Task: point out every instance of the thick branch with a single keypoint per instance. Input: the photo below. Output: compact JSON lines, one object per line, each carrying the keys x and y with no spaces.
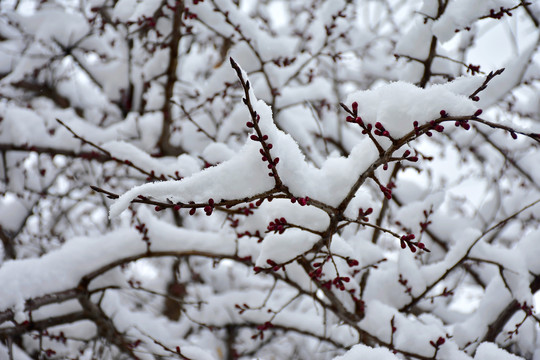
{"x":175,"y":37}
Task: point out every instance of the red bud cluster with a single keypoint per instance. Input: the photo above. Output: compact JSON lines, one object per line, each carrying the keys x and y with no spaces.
{"x":338,"y":282}
{"x":278,"y":225}
{"x":302,"y":201}
{"x":366,"y":129}
{"x":528,"y":309}
{"x":208,"y":209}
{"x":404,"y":283}
{"x":463,"y":123}
{"x":435,"y":126}
{"x":363,"y":215}
{"x":413,"y":158}
{"x":265,"y":152}
{"x":474,"y":69}
{"x":436,"y":344}
{"x":352,"y":262}
{"x":261,"y":329}
{"x":192,"y":210}
{"x":142,"y":229}
{"x":242,"y":308}
{"x":406,"y":240}
{"x":256,"y":234}
{"x":355,"y":120}
{"x":315,"y":274}
{"x":498,"y":15}
{"x":283,"y":62}
{"x":416,"y":128}
{"x":188,"y":14}
{"x":275,"y":266}
{"x":387,"y":191}
{"x":380,"y":130}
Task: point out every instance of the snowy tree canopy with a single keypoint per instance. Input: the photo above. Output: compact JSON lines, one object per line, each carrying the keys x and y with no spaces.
{"x":270,"y":179}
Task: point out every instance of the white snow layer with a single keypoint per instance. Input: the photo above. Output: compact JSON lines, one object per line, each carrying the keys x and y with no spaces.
{"x":367,"y":353}
{"x":396,"y":106}
{"x":63,"y":268}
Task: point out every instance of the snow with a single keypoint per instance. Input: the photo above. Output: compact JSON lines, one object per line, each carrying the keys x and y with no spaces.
{"x":83,"y":255}
{"x":68,"y":31}
{"x":397,"y":105}
{"x":125,"y":10}
{"x":463,"y":239}
{"x":489,"y":351}
{"x":412,"y":214}
{"x":329,"y":184}
{"x":18,"y":354}
{"x":530,"y":250}
{"x":317,"y":89}
{"x":515,"y":271}
{"x":332,"y":181}
{"x":217,"y":152}
{"x":195,"y":352}
{"x":416,"y":41}
{"x":513,"y":74}
{"x":378,"y":322}
{"x":367,"y":353}
{"x":409,"y":269}
{"x":185,"y":165}
{"x":495,"y":299}
{"x":111,"y":86}
{"x":461,"y":13}
{"x":281,"y":248}
{"x":66,"y":266}
{"x":245,"y":176}
{"x":12,"y":212}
